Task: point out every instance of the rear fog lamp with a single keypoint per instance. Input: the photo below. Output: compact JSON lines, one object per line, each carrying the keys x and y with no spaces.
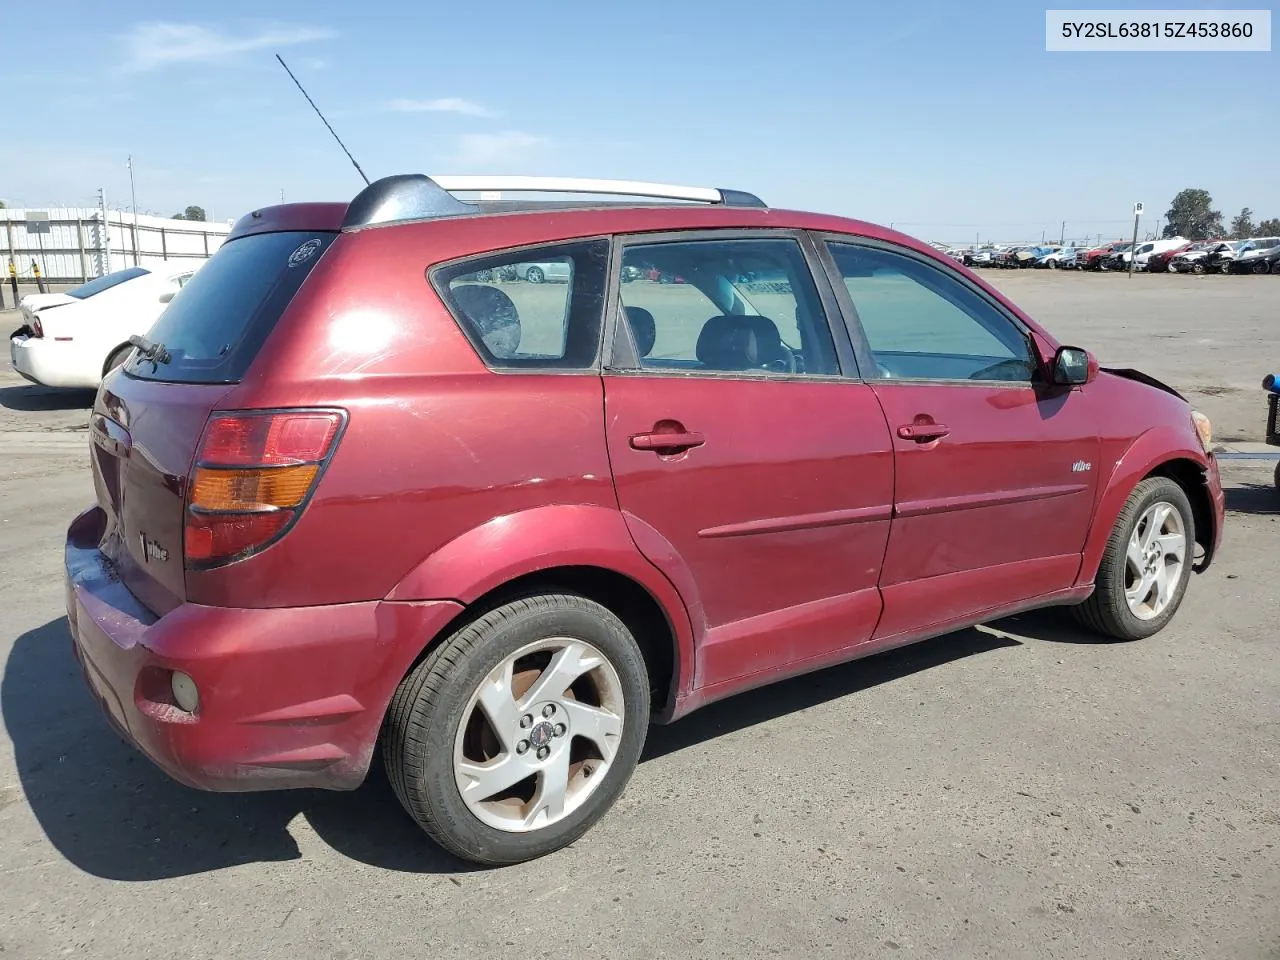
{"x":185,"y":694}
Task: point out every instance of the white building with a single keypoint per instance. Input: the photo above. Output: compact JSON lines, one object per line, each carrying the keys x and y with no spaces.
{"x":75,"y":244}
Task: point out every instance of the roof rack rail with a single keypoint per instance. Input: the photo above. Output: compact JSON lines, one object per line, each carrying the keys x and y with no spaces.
{"x":414,"y":196}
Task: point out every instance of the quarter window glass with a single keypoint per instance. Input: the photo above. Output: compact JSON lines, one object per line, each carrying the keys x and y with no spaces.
{"x":725,"y":306}
{"x":531,"y":308}
{"x":924,"y":325}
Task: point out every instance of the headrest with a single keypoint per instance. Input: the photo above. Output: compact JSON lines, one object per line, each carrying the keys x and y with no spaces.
{"x":739,"y":343}
{"x":492,"y":315}
{"x":643,"y":330}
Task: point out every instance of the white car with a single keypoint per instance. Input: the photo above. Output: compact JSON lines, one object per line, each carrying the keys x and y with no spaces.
{"x":1249,"y":257}
{"x":74,"y":339}
{"x":542,"y":272}
{"x":1147,"y":248}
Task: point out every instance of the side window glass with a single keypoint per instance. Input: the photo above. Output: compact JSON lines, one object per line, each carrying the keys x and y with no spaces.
{"x":924,"y":325}
{"x":538,"y":308}
{"x":725,"y":306}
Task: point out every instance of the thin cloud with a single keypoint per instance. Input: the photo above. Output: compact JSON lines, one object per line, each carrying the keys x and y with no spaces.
{"x":509,"y":148}
{"x":439,"y":105}
{"x":152,"y":45}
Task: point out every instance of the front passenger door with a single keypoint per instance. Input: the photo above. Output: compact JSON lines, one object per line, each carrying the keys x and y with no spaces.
{"x":994,"y":468}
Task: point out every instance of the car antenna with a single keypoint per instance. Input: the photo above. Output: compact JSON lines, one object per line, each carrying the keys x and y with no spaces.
{"x":323,"y":120}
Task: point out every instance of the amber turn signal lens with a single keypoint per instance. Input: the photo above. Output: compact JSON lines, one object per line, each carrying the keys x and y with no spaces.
{"x":251,"y":490}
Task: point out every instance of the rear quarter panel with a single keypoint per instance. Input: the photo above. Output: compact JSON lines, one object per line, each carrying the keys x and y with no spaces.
{"x":436,"y":445}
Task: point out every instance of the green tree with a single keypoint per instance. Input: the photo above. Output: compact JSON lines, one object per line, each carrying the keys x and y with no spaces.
{"x":1269,"y":228}
{"x":1191,"y":215}
{"x":1242,"y":225}
{"x":191,"y":213}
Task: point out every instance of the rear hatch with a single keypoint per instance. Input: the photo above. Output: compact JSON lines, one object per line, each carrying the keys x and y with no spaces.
{"x":149,"y":417}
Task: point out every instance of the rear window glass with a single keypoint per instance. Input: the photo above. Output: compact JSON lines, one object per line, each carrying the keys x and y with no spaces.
{"x":536,"y":308}
{"x":106,"y":283}
{"x":216,"y":324}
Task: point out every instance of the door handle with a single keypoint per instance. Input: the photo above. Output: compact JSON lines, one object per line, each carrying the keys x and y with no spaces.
{"x":667,"y":442}
{"x":923,"y":432}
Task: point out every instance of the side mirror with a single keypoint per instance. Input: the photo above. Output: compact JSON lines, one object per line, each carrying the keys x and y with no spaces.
{"x":167,"y":296}
{"x":1073,"y":366}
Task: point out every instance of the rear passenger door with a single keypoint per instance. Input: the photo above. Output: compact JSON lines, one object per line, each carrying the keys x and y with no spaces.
{"x":751,"y":466}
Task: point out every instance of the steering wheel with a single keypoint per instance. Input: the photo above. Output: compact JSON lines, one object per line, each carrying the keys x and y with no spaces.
{"x":1005,"y":370}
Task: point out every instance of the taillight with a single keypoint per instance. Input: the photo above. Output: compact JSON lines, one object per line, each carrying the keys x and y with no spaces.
{"x":253,"y":475}
{"x":36,"y":328}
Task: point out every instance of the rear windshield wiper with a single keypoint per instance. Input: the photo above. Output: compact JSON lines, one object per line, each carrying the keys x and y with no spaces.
{"x":155,"y":352}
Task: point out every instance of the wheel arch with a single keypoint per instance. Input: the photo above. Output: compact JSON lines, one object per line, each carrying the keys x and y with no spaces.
{"x":580,"y":549}
{"x":1161,"y":451}
{"x":1190,"y":476}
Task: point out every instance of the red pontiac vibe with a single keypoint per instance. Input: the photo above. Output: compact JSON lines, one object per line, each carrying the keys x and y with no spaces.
{"x":464,"y":483}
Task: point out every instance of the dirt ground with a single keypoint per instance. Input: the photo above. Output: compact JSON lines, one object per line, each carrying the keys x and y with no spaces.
{"x":1017,"y":790}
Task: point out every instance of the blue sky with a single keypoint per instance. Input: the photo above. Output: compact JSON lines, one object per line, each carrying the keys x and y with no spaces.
{"x":947,"y":119}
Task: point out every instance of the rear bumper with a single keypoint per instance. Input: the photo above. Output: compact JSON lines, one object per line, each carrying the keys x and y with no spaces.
{"x":54,"y":363}
{"x":289,"y":697}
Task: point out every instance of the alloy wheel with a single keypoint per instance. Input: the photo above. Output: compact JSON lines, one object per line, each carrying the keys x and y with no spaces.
{"x":538,"y":735}
{"x":1154,"y":559}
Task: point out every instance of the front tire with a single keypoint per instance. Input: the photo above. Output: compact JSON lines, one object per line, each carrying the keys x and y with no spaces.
{"x":518,"y":732}
{"x":535,"y":275}
{"x":1144,"y":571}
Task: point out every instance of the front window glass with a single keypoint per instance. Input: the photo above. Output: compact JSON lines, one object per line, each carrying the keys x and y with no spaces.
{"x":924,"y":325}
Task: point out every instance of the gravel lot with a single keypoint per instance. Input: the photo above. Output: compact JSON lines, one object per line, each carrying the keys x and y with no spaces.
{"x":1013,"y":791}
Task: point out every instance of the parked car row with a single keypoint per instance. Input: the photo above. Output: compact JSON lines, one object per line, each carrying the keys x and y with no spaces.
{"x":1257,"y":255}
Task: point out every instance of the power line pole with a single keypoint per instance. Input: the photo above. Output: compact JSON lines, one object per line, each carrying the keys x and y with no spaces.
{"x":133,"y":193}
{"x":1062,"y":237}
{"x":104,"y":234}
{"x":1133,"y":255}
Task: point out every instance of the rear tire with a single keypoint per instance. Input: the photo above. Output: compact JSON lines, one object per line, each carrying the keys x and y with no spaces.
{"x":439,"y":733}
{"x":534,"y":275}
{"x":1197,"y":268}
{"x":117,"y":359}
{"x":1126,"y":604}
